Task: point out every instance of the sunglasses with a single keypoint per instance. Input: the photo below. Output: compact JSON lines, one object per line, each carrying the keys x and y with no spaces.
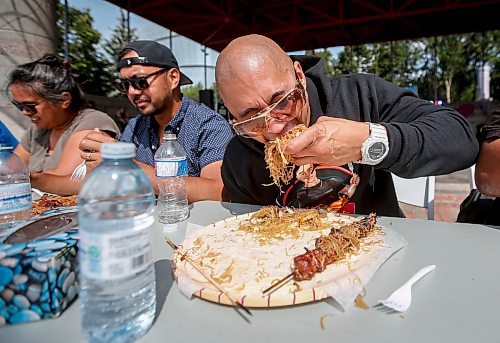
{"x":140,"y":83}
{"x":285,"y":109}
{"x":26,"y":107}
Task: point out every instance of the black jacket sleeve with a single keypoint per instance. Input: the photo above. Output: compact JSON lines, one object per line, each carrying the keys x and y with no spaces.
{"x":491,"y":129}
{"x":424,"y":139}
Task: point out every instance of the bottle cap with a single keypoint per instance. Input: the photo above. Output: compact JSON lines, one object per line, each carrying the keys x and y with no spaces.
{"x":118,"y":150}
{"x":169,"y":136}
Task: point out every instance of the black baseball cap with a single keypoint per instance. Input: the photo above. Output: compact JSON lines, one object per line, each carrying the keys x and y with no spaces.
{"x":151,"y":53}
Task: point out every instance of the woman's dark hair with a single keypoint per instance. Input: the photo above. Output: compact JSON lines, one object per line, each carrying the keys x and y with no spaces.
{"x":48,"y":77}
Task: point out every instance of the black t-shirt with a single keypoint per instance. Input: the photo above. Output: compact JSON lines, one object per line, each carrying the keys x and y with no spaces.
{"x":491,"y":129}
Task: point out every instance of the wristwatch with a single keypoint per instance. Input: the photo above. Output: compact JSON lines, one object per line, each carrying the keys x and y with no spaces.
{"x":376,"y":147}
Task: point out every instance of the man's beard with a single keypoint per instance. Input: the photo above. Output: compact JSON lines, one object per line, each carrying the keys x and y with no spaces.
{"x":153,"y":111}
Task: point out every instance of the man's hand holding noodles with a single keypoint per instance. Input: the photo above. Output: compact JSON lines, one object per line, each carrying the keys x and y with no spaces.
{"x":330,"y":141}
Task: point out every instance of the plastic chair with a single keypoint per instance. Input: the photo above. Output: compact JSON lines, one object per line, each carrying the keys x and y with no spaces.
{"x":472,"y":177}
{"x":417,"y":192}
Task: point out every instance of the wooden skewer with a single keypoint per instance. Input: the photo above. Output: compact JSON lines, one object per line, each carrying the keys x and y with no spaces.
{"x":278,"y":284}
{"x":206,"y":276}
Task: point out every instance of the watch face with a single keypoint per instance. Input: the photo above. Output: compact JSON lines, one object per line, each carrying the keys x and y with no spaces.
{"x":376,"y":150}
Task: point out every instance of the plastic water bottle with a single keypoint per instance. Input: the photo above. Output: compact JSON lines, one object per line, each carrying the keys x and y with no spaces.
{"x":116,"y":211}
{"x":15,"y":191}
{"x":171,"y":174}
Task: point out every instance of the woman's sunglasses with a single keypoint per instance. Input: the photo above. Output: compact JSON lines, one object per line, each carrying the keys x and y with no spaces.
{"x":29,"y":107}
{"x":140,"y":83}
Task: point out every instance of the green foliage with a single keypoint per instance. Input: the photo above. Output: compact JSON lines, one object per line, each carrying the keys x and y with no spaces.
{"x":120,"y":37}
{"x":92,"y":68}
{"x":193,"y":91}
{"x":327,"y":59}
{"x":450,"y":59}
{"x":441,"y":67}
{"x":395,"y":61}
{"x":353,"y":59}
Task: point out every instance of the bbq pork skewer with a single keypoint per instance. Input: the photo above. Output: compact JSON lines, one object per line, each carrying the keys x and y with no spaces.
{"x":328,"y":249}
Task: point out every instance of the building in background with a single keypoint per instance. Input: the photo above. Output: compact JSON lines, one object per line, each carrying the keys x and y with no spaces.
{"x":483,"y":83}
{"x":27,"y":32}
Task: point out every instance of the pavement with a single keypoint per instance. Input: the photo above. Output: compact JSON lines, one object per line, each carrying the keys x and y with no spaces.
{"x":450,"y":191}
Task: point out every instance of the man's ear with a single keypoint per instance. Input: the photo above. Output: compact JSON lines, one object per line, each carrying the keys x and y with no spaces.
{"x":67,"y":98}
{"x":175,"y":77}
{"x":300,"y":73}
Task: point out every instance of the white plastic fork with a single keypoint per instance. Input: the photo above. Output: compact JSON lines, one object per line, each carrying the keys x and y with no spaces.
{"x":79,"y":172}
{"x":400,"y":299}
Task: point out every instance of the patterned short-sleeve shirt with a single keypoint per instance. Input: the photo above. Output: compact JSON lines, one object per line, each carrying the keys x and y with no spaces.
{"x":202,"y":132}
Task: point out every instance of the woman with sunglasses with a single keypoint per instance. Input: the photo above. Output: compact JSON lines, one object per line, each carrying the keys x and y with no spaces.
{"x":47,"y":93}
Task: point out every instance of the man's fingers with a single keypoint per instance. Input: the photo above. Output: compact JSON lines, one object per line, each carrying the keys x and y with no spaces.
{"x":86,"y":155}
{"x":91,"y":165}
{"x":306,"y":139}
{"x":93,"y":141}
{"x":88,"y":144}
{"x":105,"y":133}
{"x":300,"y":142}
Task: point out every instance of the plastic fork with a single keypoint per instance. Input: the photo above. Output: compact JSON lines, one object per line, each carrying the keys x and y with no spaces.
{"x":400,"y":299}
{"x":79,"y":172}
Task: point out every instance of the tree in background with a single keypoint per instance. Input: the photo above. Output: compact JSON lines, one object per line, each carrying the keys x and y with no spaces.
{"x":452,"y":60}
{"x":193,"y":91}
{"x":92,"y":68}
{"x":120,"y":37}
{"x":353,"y":59}
{"x":327,"y":59}
{"x":441,"y":67}
{"x":395,"y":61}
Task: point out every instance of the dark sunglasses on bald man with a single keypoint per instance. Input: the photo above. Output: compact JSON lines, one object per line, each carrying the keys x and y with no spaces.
{"x":140,"y":83}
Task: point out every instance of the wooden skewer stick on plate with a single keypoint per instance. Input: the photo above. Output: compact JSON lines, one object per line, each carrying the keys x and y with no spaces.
{"x":206,"y":276}
{"x":278,"y":284}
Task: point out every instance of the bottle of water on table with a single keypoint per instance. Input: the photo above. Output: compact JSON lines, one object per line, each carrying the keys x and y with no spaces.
{"x":15,"y":190}
{"x":171,"y":174}
{"x":115,"y":212}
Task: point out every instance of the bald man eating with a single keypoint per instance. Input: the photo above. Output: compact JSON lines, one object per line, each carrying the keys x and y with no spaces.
{"x":357,"y":124}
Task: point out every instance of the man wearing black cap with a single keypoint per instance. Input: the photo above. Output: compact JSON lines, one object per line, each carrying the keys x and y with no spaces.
{"x":151,"y":79}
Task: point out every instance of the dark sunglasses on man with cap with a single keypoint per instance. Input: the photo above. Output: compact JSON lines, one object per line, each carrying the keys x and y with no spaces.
{"x":140,"y":83}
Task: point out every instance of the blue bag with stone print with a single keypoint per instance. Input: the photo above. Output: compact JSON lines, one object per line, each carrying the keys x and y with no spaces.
{"x":38,"y":279}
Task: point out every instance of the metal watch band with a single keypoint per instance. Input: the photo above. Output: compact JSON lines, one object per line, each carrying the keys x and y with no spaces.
{"x":378,"y":134}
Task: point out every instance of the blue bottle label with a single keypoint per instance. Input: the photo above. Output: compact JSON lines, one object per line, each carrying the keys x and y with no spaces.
{"x":171,"y":167}
{"x":15,"y":197}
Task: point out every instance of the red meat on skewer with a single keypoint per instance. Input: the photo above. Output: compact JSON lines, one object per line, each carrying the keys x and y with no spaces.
{"x":332,"y":248}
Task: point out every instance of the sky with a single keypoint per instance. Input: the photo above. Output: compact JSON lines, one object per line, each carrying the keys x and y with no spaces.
{"x":189,"y":53}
